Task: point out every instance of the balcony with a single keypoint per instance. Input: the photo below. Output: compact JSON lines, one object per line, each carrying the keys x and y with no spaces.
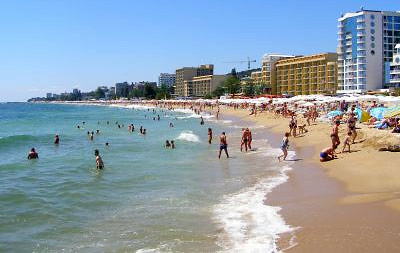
{"x":361,"y":48}
{"x":361,"y":27}
{"x":360,"y":33}
{"x":360,"y":20}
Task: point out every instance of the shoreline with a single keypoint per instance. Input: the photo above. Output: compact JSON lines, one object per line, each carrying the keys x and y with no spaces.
{"x":342,"y":207}
{"x":341,"y":210}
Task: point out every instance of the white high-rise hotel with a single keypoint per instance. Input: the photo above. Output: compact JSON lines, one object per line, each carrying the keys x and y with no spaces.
{"x":366,"y":43}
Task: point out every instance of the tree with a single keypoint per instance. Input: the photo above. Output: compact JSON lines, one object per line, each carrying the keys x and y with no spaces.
{"x":208,"y":96}
{"x":232,"y":85}
{"x":149,"y":91}
{"x":219,"y":91}
{"x":99,"y":93}
{"x":248,"y":89}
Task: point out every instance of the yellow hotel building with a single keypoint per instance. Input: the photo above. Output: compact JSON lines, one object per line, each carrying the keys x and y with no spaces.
{"x":312,"y":74}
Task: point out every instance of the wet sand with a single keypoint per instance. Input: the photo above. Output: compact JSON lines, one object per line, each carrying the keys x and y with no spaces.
{"x":339,"y":206}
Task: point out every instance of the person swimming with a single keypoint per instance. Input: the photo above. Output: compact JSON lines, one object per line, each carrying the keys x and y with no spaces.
{"x":97,"y":131}
{"x":99,"y":161}
{"x":144,"y":131}
{"x":167,"y":144}
{"x":33,"y":154}
{"x":107,"y":144}
{"x":172,"y":144}
{"x":91,"y":136}
{"x":56,"y":139}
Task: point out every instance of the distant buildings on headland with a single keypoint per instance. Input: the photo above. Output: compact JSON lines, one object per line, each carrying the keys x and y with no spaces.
{"x":367,"y":59}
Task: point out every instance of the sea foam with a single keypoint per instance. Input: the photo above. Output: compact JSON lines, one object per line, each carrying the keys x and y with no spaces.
{"x":249,"y":224}
{"x":188,"y":136}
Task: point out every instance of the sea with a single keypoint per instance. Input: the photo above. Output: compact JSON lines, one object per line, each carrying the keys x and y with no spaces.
{"x":147,"y":198}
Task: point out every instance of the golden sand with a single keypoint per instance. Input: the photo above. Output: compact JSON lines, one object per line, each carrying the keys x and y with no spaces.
{"x":346,"y":211}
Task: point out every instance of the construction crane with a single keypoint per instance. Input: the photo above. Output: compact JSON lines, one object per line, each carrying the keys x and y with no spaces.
{"x":249,"y":61}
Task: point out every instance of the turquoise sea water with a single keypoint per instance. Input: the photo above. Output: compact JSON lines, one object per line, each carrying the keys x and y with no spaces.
{"x":147,"y":199}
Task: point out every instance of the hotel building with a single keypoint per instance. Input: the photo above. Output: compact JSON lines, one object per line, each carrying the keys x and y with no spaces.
{"x":395,"y":68}
{"x":184,"y":76}
{"x":268,"y":70}
{"x":366,"y":43}
{"x":203,"y":85}
{"x":166,"y":79}
{"x":305,"y":75}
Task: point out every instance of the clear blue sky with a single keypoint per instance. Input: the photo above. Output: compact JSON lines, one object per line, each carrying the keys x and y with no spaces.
{"x":55,"y":46}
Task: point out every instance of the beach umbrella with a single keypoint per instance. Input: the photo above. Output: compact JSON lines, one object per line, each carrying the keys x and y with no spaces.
{"x":334,"y":113}
{"x":362,"y":115}
{"x":392,"y":111}
{"x":377,"y":112}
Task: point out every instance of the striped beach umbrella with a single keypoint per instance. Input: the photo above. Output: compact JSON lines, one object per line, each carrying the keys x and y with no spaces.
{"x":392,"y":111}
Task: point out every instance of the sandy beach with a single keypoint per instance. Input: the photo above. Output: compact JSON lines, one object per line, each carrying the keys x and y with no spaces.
{"x":350,"y":204}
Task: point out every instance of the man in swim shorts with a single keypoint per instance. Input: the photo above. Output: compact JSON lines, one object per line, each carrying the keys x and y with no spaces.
{"x":223,"y":145}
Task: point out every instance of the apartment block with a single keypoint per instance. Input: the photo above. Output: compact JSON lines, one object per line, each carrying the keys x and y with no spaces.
{"x":305,"y":75}
{"x":166,"y":79}
{"x":184,"y":76}
{"x":366,"y":44}
{"x":203,"y":85}
{"x":395,"y":68}
{"x":268,"y":70}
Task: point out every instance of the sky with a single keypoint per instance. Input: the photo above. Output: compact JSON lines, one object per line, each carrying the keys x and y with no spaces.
{"x":55,"y":46}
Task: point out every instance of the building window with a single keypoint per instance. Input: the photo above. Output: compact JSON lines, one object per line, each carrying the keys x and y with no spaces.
{"x":372,"y":31}
{"x":372,"y":24}
{"x":373,"y":45}
{"x":372,"y":38}
{"x":373,"y":52}
{"x":372,"y":16}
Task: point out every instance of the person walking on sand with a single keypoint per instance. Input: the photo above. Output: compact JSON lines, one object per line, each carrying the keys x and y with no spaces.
{"x":33,"y":154}
{"x":223,"y":145}
{"x":99,"y":161}
{"x":335,"y":134}
{"x":284,"y":146}
{"x":347,"y":141}
{"x":351,"y":126}
{"x":209,"y":135}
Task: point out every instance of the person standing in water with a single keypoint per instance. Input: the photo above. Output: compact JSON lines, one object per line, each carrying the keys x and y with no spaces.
{"x":209,"y":135}
{"x":250,"y":139}
{"x":56,"y":139}
{"x":201,"y":121}
{"x":33,"y":154}
{"x":284,"y":146}
{"x":99,"y":161}
{"x":223,"y":145}
{"x":245,"y":139}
